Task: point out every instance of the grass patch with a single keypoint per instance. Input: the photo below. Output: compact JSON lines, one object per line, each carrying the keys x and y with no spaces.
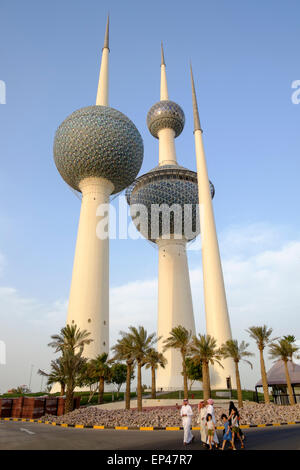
{"x":198,"y":394}
{"x":107,"y":398}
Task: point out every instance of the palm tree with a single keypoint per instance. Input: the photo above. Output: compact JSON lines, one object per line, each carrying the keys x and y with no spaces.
{"x":70,"y":337}
{"x":153,"y":360}
{"x":70,"y":342}
{"x":141,"y":343}
{"x":99,"y":368}
{"x":73,"y":366}
{"x":204,"y":350}
{"x":56,"y":375}
{"x":284,"y":350}
{"x":180,"y":338}
{"x":123,"y":351}
{"x":290,"y":338}
{"x":238,"y":353}
{"x":262,"y":335}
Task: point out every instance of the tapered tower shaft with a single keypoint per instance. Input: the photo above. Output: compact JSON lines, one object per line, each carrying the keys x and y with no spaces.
{"x":89,"y":294}
{"x":175,"y":306}
{"x":217,"y":317}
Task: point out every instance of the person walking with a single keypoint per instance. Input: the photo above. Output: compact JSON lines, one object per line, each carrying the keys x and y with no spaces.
{"x":202,"y":421}
{"x":186,"y":413}
{"x":210,"y":410}
{"x":227,"y":436}
{"x":235,"y":427}
{"x":210,"y":430}
{"x":233,"y":408}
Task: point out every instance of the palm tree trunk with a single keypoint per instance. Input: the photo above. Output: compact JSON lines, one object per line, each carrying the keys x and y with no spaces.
{"x":139,"y":387}
{"x":238,"y":385}
{"x":101,"y":390}
{"x":62,"y":389}
{"x":264,"y":376}
{"x":205,"y":380}
{"x":288,"y":382}
{"x":69,"y":398}
{"x":185,"y":380}
{"x":128,"y":383}
{"x":153,"y":391}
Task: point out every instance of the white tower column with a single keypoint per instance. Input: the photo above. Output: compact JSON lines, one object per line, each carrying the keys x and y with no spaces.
{"x":167,"y":151}
{"x":217,"y":317}
{"x":175,"y":306}
{"x":89,"y":294}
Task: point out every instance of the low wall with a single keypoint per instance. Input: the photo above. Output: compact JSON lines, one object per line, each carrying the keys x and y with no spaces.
{"x":34,"y":407}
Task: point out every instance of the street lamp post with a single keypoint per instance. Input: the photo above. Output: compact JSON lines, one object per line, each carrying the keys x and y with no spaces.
{"x":30,"y":377}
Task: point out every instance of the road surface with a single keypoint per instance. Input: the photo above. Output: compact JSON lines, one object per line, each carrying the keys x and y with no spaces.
{"x":34,"y":436}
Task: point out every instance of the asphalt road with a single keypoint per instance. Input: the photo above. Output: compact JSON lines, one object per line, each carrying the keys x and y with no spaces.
{"x":33,"y":436}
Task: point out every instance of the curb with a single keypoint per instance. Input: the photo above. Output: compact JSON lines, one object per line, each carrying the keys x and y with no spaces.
{"x":138,"y":428}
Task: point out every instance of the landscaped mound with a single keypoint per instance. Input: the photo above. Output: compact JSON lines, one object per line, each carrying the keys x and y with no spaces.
{"x":252,"y":413}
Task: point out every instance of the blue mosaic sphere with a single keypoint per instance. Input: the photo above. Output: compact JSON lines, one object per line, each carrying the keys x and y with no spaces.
{"x":98,"y":141}
{"x":167,"y":184}
{"x":165,"y":115}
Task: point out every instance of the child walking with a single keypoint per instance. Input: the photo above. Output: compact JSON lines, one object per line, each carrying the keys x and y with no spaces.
{"x":227,"y":436}
{"x":235,"y":426}
{"x":210,"y":430}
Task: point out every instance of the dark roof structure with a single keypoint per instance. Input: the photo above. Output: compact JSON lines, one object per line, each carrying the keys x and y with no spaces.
{"x":276,"y":375}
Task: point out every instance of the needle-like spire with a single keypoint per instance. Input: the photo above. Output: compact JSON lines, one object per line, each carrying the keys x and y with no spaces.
{"x":216,"y":310}
{"x":102,"y":93}
{"x":106,"y":39}
{"x":163,"y":77}
{"x":162,"y":55}
{"x":197,"y":125}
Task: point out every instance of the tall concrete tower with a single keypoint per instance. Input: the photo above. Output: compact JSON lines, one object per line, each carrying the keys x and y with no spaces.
{"x":98,"y":151}
{"x":217,"y":317}
{"x":171,"y":187}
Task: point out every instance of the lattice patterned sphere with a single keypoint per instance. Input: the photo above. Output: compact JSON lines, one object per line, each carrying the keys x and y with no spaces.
{"x":98,"y":141}
{"x":168,"y":184}
{"x":165,"y":115}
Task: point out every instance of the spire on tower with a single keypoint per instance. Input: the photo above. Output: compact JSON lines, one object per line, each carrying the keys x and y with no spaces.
{"x":162,"y":55}
{"x":197,"y":125}
{"x":106,"y":38}
{"x":102,"y":93}
{"x":163,"y":77}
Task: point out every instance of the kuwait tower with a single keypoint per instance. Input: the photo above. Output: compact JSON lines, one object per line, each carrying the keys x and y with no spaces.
{"x":97,"y":151}
{"x":216,"y":310}
{"x":169,"y":193}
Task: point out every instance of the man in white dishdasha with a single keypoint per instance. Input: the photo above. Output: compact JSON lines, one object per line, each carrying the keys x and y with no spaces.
{"x":186,"y":414}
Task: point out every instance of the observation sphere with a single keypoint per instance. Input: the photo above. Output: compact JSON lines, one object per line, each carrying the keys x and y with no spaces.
{"x":168,"y":185}
{"x":98,"y":141}
{"x":165,"y":114}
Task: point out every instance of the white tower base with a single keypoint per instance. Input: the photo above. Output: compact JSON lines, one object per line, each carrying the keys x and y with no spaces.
{"x":89,"y":295}
{"x":175,"y":307}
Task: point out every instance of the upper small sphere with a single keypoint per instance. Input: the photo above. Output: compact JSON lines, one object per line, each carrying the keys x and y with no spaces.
{"x":165,"y":114}
{"x":98,"y":141}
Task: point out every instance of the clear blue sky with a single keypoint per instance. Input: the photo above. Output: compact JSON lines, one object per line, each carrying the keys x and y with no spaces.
{"x":245,"y":56}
